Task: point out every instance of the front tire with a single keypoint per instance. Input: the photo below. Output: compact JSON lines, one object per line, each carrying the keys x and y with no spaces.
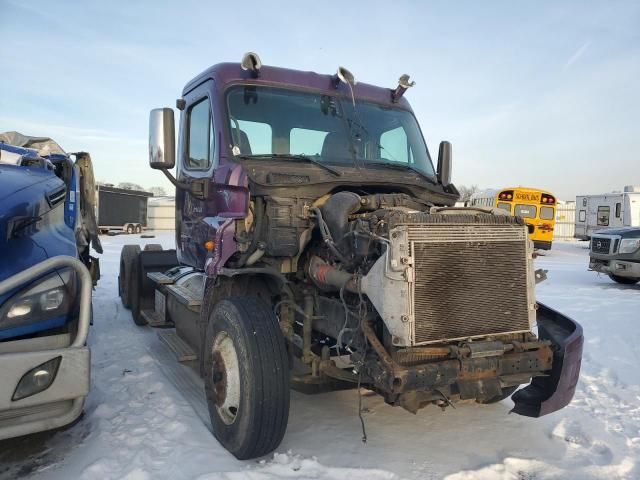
{"x":246,"y":377}
{"x":624,"y":280}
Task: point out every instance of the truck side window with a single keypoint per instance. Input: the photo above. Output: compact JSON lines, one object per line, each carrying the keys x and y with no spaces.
{"x":618,"y":208}
{"x":603,"y":216}
{"x":201,"y":137}
{"x":582,"y":216}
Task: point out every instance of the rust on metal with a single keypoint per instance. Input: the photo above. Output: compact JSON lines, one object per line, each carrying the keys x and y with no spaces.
{"x":219,"y":379}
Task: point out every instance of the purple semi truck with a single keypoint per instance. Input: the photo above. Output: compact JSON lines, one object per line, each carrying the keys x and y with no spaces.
{"x":317,"y":249}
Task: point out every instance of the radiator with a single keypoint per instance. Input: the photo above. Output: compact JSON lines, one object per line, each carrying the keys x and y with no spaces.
{"x":454,"y":277}
{"x":469,"y":281}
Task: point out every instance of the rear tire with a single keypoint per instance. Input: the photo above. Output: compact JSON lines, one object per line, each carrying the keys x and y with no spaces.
{"x":138,"y":229}
{"x":506,"y":393}
{"x":624,"y":280}
{"x":129,"y":229}
{"x":128,"y":256}
{"x":246,"y":377}
{"x":153,"y":247}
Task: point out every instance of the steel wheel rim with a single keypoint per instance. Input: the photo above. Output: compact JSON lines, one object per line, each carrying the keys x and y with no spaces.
{"x":226,"y":378}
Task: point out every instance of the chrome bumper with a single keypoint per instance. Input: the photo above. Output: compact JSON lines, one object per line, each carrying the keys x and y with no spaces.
{"x":620,"y":268}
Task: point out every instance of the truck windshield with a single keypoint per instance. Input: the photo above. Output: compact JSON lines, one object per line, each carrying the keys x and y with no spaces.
{"x":333,"y":130}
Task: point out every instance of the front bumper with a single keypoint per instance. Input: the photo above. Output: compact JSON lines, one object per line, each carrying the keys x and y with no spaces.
{"x":60,"y":404}
{"x":620,"y":268}
{"x":555,"y":366}
{"x":542,"y":245}
{"x":551,"y":393}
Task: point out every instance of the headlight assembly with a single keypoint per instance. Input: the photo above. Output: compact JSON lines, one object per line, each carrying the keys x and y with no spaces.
{"x":46,"y":298}
{"x":629,"y":245}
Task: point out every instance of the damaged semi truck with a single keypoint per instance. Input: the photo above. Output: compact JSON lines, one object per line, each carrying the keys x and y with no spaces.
{"x":318,"y":249}
{"x":46,"y":277}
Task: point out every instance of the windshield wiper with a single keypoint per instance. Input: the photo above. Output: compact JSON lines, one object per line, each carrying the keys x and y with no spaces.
{"x":402,"y":166}
{"x":293,"y":157}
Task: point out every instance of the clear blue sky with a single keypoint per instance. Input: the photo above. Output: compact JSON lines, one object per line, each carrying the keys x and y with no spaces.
{"x":545,"y":94}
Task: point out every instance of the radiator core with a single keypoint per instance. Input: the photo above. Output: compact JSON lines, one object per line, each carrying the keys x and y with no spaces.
{"x":469,"y":281}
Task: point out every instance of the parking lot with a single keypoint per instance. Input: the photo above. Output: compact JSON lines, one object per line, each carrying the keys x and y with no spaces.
{"x":146,"y":416}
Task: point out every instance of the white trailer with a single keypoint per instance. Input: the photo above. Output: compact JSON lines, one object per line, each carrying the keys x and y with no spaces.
{"x":484,"y":198}
{"x":609,"y":210}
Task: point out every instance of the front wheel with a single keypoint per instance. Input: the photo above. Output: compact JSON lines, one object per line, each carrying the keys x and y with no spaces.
{"x":624,"y":280}
{"x":246,"y":377}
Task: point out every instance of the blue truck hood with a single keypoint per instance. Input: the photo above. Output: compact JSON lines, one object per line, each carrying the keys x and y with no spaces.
{"x":32,"y":226}
{"x":14,"y":179}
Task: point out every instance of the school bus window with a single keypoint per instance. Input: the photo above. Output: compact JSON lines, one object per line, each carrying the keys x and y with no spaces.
{"x":504,"y":206}
{"x":546,"y":213}
{"x":525,"y":211}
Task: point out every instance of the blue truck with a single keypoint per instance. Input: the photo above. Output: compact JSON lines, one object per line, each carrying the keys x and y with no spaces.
{"x":46,"y":278}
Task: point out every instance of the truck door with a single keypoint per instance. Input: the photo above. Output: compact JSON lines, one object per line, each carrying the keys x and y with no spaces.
{"x":195,"y":161}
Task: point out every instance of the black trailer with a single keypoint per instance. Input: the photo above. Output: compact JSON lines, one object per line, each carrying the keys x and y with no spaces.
{"x":122,"y":209}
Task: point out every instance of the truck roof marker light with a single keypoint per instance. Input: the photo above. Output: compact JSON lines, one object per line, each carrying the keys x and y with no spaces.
{"x":403,"y":85}
{"x":251,"y":61}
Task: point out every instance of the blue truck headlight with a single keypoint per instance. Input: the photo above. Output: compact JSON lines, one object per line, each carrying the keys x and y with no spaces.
{"x":20,"y":309}
{"x":48,"y":297}
{"x":629,"y":245}
{"x":37,"y":379}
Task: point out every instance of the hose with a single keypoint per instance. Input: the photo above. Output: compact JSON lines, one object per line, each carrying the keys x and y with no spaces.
{"x":257,"y":230}
{"x":327,"y":237}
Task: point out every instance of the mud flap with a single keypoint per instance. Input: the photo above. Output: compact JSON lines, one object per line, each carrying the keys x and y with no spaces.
{"x":551,"y":393}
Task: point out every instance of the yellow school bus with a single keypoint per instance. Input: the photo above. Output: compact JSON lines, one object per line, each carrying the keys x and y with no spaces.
{"x":536,"y":207}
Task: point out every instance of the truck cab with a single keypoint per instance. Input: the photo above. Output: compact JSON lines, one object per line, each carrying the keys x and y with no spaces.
{"x":45,"y":292}
{"x":317,"y":248}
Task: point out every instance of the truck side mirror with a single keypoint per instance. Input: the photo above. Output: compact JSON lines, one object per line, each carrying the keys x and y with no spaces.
{"x":444,"y":164}
{"x":162,"y":139}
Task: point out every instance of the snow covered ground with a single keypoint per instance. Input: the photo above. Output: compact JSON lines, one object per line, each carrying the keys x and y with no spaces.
{"x":146,"y":419}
